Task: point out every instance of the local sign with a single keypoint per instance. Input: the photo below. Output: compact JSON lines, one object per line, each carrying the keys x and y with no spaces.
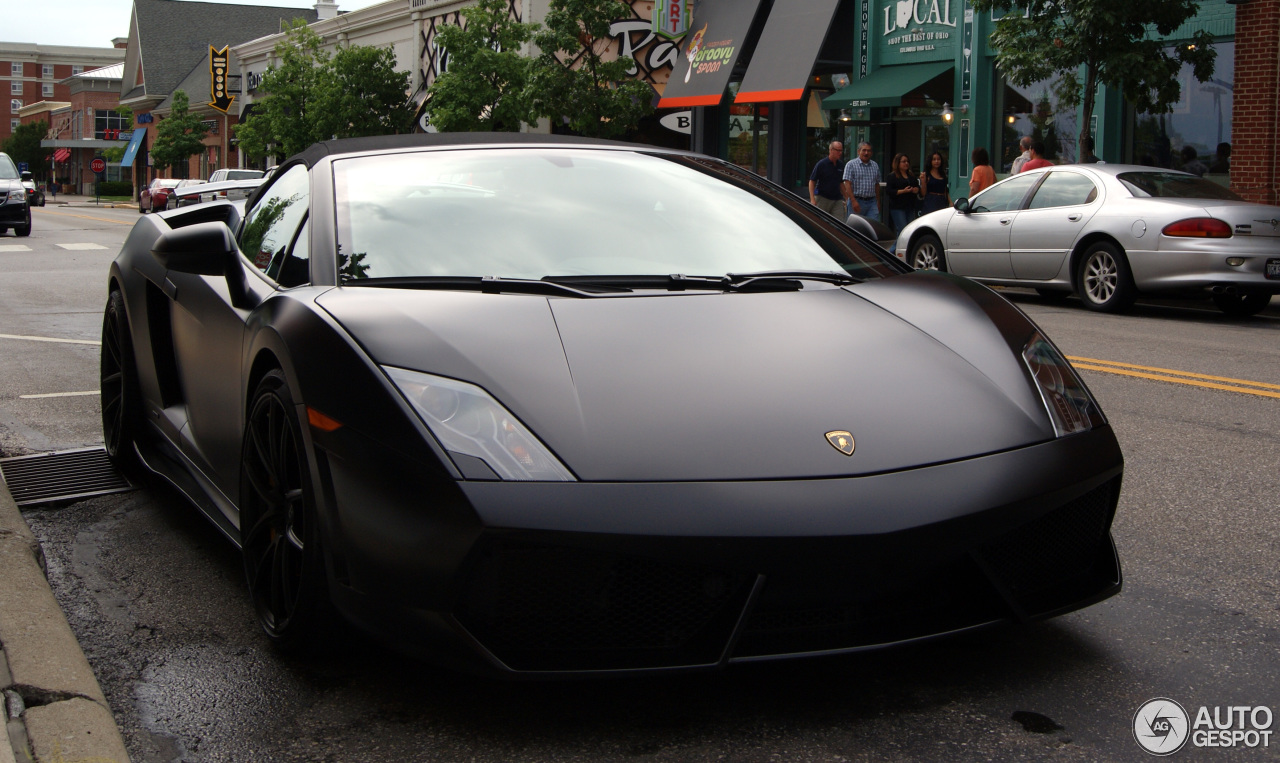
{"x":671,"y":17}
{"x":98,"y":165}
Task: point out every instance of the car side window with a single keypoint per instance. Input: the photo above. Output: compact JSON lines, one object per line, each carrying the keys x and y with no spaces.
{"x":273,"y":223}
{"x":1003,"y":197}
{"x":1064,"y":189}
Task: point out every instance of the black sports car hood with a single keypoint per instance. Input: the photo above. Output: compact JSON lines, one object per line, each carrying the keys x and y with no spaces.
{"x":737,"y":386}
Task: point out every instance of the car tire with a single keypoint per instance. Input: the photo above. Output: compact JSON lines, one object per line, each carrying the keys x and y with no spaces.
{"x":25,"y":228}
{"x":141,"y":209}
{"x":1241,"y":305}
{"x":927,"y":254}
{"x":1103,"y":280}
{"x":279,"y":530}
{"x":121,"y":400}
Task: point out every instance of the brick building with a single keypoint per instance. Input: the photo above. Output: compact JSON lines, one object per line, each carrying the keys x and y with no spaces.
{"x":1256,"y":107}
{"x":30,"y":73}
{"x":83,"y":127}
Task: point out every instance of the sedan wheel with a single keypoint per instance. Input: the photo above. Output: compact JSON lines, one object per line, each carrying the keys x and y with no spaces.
{"x":118,"y":381}
{"x":927,"y":254}
{"x":1241,"y":305}
{"x":278,"y":532}
{"x":25,"y":228}
{"x":1103,"y":281}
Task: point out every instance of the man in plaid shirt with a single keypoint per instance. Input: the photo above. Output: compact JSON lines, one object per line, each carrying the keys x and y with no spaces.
{"x":862,"y":183}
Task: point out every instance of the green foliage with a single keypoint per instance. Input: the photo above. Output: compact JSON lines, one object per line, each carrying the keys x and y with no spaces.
{"x":313,"y":96}
{"x":125,"y":113}
{"x":573,"y":84}
{"x":179,"y":136}
{"x":24,"y":146}
{"x":1087,"y":43}
{"x":484,"y":85}
{"x":116,"y":188}
{"x":360,"y":93}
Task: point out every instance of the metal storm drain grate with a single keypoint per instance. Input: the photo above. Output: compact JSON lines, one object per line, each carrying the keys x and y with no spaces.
{"x":61,"y":476}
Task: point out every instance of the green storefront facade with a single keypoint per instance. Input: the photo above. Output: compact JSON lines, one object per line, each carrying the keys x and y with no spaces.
{"x":918,"y":76}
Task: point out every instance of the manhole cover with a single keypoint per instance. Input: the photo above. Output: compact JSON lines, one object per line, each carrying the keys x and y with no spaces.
{"x":62,"y":476}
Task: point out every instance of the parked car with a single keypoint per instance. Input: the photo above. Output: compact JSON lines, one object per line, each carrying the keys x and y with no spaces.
{"x":1108,"y":233}
{"x":155,"y":197}
{"x":15,"y":211}
{"x":223,"y":175}
{"x":35,"y":194}
{"x":448,"y":386}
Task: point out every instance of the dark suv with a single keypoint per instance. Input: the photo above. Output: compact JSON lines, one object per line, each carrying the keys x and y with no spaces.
{"x":14,"y":212}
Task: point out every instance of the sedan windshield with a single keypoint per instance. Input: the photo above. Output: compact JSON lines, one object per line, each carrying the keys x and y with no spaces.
{"x":1173,"y":185}
{"x":534,"y":213}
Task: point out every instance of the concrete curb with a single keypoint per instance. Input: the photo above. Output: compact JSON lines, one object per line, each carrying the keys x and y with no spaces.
{"x":55,"y":711}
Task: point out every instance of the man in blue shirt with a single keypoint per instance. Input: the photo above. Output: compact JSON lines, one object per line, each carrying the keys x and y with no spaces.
{"x":862,"y":183}
{"x":826,"y":182}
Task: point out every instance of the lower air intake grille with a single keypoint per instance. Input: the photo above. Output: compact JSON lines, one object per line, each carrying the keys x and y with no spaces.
{"x":62,"y":476}
{"x":548,"y":608}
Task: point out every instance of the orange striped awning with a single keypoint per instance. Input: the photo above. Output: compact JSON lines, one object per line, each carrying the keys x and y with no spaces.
{"x":61,"y":155}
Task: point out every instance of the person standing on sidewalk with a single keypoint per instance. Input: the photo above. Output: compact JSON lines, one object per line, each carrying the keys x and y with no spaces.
{"x":1037,"y":157}
{"x":826,"y":186}
{"x":862,"y":183}
{"x":1025,"y":144}
{"x":903,"y":192}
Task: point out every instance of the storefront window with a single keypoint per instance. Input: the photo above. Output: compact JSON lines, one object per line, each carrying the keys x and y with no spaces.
{"x":107,"y":124}
{"x":749,"y":134}
{"x":1036,"y":110}
{"x":1196,"y":135}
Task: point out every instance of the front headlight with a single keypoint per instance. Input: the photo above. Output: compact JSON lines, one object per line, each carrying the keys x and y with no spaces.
{"x":1071,"y":408}
{"x":467,"y":420}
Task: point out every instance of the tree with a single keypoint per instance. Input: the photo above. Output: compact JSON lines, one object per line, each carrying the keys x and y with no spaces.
{"x":361,"y":93}
{"x":572,"y":82}
{"x":24,"y":146}
{"x":283,"y":122}
{"x":484,"y":84}
{"x":179,"y":136}
{"x":313,"y":96}
{"x":1109,"y":42}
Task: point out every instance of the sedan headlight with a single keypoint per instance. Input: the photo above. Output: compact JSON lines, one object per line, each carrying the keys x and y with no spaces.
{"x":467,"y":420}
{"x":1071,"y":408}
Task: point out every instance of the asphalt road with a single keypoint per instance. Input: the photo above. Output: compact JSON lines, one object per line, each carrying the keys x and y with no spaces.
{"x":157,"y":600}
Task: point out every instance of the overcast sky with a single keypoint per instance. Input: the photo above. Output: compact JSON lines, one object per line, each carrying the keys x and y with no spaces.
{"x":95,"y":23}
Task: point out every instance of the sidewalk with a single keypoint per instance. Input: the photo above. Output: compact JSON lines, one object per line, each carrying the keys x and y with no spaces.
{"x":54,"y":710}
{"x":78,"y":200}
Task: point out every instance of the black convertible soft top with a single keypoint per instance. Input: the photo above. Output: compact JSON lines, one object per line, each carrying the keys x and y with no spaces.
{"x":317,"y":151}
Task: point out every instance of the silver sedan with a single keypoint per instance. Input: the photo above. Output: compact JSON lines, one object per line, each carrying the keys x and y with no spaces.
{"x":1108,"y":233}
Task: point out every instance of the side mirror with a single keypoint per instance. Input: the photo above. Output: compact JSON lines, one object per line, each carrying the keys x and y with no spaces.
{"x":962,"y":206}
{"x":204,"y":249}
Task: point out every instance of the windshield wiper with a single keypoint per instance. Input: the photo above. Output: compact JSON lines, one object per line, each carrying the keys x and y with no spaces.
{"x":488,"y":284}
{"x":674,"y":282}
{"x":780,"y":278}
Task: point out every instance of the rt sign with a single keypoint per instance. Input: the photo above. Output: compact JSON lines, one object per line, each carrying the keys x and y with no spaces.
{"x":98,"y":165}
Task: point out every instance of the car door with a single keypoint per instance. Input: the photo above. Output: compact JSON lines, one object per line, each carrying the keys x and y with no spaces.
{"x":1047,"y":229}
{"x":978,"y":240}
{"x":209,"y":331}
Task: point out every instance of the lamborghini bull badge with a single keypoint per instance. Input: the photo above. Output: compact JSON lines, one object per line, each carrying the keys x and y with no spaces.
{"x":841,"y":441}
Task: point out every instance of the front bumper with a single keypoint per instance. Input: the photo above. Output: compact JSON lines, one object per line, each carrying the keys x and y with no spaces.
{"x":587,"y":577}
{"x":13,"y":211}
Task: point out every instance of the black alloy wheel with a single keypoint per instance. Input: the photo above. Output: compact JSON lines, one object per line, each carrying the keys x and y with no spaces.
{"x":121,"y":402}
{"x":1241,"y":305}
{"x":927,"y":254}
{"x":279,"y":536}
{"x":1103,"y":280}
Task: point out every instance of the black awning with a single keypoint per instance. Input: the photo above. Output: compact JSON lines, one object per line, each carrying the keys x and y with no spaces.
{"x":783,"y":59}
{"x":708,"y":53}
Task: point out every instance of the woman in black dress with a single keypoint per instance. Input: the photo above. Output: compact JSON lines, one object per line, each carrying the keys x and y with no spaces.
{"x":934,"y":187}
{"x":903,"y":191}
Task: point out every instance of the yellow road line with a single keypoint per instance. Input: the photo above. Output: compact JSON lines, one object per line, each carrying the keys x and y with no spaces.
{"x":86,"y":217}
{"x":1177,"y":377}
{"x":61,"y":394}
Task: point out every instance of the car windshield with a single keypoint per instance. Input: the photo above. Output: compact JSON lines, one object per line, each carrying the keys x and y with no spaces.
{"x":7,"y":170}
{"x":533,"y":213}
{"x":1173,"y":185}
{"x":167,"y":183}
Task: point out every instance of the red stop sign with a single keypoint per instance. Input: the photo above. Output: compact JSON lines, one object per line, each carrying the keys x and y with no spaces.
{"x":98,"y":165}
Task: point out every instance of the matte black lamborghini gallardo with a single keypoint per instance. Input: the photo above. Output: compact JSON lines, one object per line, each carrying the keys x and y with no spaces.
{"x":561,"y":405}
